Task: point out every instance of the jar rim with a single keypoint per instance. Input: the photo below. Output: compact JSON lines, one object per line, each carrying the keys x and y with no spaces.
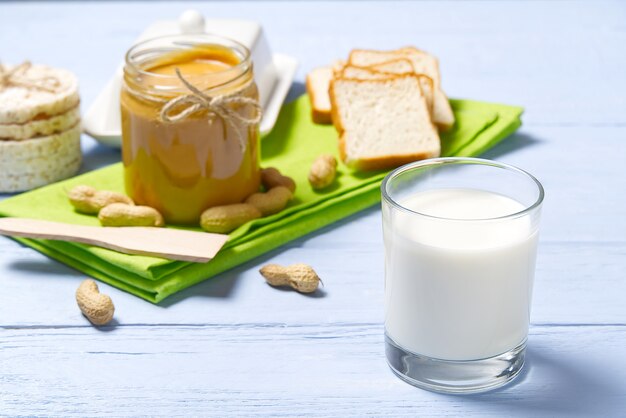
{"x":188,"y":40}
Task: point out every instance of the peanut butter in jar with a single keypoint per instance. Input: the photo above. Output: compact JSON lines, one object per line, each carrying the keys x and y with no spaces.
{"x":190,"y":125}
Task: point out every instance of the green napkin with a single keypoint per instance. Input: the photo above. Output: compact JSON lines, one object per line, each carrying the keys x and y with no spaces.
{"x":291,"y":147}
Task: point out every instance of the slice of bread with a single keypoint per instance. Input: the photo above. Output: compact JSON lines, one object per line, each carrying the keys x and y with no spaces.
{"x":423,"y":63}
{"x":404,"y":66}
{"x":382,"y":123}
{"x":370,"y":73}
{"x":317,"y":84}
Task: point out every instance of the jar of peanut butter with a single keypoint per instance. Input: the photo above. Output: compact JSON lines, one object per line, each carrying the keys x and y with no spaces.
{"x":190,"y":125}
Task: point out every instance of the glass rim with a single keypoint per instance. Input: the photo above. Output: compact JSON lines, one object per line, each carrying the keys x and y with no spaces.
{"x":465,"y":161}
{"x":130,"y":58}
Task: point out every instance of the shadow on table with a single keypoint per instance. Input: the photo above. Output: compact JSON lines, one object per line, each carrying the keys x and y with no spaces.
{"x":571,"y":387}
{"x":97,"y":155}
{"x":223,"y":285}
{"x":111,"y":326}
{"x":513,"y":143}
{"x":296,"y":90}
{"x":44,"y":267}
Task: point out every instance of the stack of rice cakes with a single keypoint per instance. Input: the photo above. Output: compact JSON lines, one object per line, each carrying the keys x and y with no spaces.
{"x":39,"y":126}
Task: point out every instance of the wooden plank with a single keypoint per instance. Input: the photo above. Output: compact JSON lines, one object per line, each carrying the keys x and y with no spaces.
{"x":582,"y":170}
{"x":581,"y":255}
{"x":576,"y":283}
{"x":560,"y":59}
{"x":263,"y":369}
{"x":249,"y":349}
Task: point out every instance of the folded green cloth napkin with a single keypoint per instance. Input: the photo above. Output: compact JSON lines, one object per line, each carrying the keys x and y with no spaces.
{"x":291,"y":147}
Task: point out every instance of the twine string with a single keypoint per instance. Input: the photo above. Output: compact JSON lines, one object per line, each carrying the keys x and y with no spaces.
{"x":16,"y":77}
{"x":217,"y":106}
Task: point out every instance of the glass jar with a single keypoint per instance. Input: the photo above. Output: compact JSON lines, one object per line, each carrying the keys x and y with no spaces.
{"x":190,"y":125}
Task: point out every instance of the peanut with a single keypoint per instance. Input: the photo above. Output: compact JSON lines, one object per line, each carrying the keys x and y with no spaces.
{"x":271,"y":177}
{"x":224,"y":219}
{"x":323,"y":171}
{"x":300,"y":277}
{"x":86,"y":199}
{"x":121,"y":214}
{"x":270,"y":202}
{"x":97,"y":307}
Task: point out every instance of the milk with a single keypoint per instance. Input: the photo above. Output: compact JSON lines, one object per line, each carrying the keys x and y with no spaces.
{"x":459,"y":288}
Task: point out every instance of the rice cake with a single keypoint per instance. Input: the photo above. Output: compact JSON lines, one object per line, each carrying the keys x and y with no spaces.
{"x":40,"y":127}
{"x":39,"y":161}
{"x":29,"y":92}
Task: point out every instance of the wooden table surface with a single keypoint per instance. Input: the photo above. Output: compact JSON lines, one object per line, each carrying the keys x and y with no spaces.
{"x":233,"y":345}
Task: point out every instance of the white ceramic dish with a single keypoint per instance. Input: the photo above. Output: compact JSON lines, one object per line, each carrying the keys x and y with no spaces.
{"x":274,"y":73}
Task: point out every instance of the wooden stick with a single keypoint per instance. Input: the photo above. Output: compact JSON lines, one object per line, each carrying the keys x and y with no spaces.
{"x":174,"y":244}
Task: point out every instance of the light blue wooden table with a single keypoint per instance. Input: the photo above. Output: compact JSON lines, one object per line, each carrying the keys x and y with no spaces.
{"x":234,"y":345}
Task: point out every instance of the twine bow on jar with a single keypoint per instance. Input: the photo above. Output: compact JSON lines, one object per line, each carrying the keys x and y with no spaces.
{"x":16,"y":77}
{"x":219,"y":106}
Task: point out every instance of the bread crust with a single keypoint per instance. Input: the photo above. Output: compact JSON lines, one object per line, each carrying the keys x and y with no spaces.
{"x":373,"y":51}
{"x":343,"y":75}
{"x":411,"y":48}
{"x":319,"y":116}
{"x":408,"y":50}
{"x":380,"y":64}
{"x":391,"y":161}
{"x":335,"y":117}
{"x":431,"y":102}
{"x":401,"y":52}
{"x":373,"y":69}
{"x":338,"y":66}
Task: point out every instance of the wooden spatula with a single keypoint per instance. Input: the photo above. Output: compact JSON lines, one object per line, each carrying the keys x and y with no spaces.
{"x":174,"y":244}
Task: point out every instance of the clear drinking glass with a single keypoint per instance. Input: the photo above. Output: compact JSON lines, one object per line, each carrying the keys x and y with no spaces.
{"x":460,"y":247}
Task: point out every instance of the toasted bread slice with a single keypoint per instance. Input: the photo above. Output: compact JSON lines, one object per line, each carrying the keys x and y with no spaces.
{"x":383,"y":123}
{"x":423,"y":63}
{"x":317,"y":84}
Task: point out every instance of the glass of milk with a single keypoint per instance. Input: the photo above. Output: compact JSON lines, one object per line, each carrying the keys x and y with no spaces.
{"x":460,"y":247}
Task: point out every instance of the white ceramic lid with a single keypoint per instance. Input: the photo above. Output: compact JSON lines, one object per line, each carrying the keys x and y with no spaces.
{"x":273,"y":73}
